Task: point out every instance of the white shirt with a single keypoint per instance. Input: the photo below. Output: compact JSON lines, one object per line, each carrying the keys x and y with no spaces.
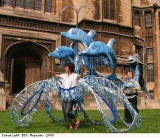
{"x":69,"y":81}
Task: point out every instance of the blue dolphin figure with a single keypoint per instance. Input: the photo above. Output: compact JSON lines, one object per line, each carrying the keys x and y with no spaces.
{"x":78,"y":35}
{"x":63,"y":52}
{"x":99,"y":48}
{"x":66,"y":54}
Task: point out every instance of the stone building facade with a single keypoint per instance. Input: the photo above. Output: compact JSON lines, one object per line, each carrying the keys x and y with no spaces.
{"x":30,"y":29}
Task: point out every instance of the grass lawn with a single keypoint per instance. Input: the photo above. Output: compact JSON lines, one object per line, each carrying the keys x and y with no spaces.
{"x":41,"y":123}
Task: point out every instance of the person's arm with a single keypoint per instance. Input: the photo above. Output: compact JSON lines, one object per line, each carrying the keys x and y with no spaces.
{"x":137,"y":86}
{"x":123,"y":87}
{"x":53,"y":73}
{"x":81,"y":73}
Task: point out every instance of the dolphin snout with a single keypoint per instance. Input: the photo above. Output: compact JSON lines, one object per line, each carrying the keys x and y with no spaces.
{"x":131,"y":60}
{"x":53,"y":55}
{"x":63,"y":33}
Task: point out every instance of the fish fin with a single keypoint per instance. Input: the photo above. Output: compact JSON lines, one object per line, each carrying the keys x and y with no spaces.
{"x":85,"y":44}
{"x":92,"y":34}
{"x":143,"y":87}
{"x":71,"y":59}
{"x":113,"y":77}
{"x":111,"y":42}
{"x":110,"y":60}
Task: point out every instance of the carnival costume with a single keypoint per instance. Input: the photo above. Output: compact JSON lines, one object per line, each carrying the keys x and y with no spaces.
{"x":131,"y":86}
{"x":68,"y":95}
{"x":106,"y":91}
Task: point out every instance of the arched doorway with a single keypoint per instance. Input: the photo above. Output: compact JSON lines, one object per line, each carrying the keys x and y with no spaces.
{"x":25,"y":68}
{"x":25,"y":63}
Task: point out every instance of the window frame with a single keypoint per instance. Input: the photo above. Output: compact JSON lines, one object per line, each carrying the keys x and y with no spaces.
{"x":46,"y":5}
{"x":136,"y":19}
{"x":150,"y":73}
{"x":23,"y":5}
{"x":107,"y":7}
{"x":148,"y":21}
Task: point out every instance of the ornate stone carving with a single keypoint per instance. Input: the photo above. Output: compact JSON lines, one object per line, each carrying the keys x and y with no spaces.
{"x":47,"y":45}
{"x":126,"y":31}
{"x":110,"y":28}
{"x":56,"y":27}
{"x":32,"y":24}
{"x":92,"y":25}
{"x":11,"y":40}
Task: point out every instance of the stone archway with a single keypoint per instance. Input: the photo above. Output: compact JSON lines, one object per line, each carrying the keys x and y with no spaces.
{"x":26,"y":68}
{"x":25,"y":64}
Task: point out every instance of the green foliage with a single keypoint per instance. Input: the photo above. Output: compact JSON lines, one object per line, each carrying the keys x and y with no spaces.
{"x":41,"y":123}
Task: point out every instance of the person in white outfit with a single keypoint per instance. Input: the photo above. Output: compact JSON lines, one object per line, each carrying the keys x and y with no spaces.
{"x":69,"y":80}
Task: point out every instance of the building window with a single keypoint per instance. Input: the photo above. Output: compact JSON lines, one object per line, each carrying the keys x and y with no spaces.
{"x":136,"y":18}
{"x":159,"y":19}
{"x":7,"y":2}
{"x":149,"y":41}
{"x":19,"y":3}
{"x":27,"y":4}
{"x":37,"y":5}
{"x":149,"y":51}
{"x":148,"y":18}
{"x":48,"y":5}
{"x":110,"y":9}
{"x":149,"y":55}
{"x":150,"y":73}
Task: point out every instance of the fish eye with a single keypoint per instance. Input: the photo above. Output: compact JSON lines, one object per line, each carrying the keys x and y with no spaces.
{"x":74,"y":32}
{"x":61,"y":52}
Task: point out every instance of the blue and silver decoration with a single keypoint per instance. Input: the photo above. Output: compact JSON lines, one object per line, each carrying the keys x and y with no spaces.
{"x":105,"y":90}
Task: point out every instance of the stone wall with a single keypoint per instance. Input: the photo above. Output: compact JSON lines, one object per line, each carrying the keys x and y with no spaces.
{"x":90,"y":104}
{"x":2,"y":93}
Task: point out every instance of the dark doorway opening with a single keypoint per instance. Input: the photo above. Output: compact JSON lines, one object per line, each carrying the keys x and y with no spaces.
{"x":26,"y":70}
{"x":18,"y":77}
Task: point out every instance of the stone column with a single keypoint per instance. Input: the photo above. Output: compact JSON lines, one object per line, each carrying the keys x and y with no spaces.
{"x":156,"y":50}
{"x":2,"y":93}
{"x":43,"y":6}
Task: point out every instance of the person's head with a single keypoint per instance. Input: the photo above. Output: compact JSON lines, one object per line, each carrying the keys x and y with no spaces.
{"x":130,"y":74}
{"x":69,"y":67}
